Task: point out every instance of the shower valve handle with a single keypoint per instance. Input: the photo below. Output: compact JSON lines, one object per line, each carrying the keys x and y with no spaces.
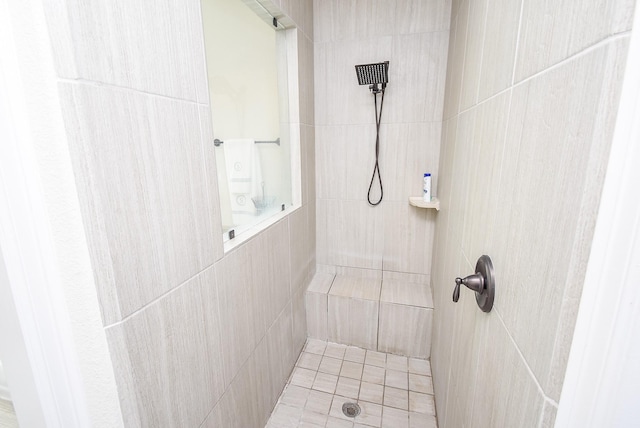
{"x":482,"y":282}
{"x":473,"y":282}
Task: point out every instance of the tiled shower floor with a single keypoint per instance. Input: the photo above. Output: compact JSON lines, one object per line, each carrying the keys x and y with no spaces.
{"x":392,"y":391}
{"x":7,"y":415}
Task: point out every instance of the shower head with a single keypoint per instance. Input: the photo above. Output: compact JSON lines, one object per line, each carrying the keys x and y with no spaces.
{"x":373,"y":75}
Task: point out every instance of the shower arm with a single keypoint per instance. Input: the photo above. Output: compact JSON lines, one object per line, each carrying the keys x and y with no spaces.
{"x":376,"y":89}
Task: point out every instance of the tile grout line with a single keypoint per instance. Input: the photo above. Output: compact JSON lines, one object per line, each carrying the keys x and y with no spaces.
{"x":524,"y":361}
{"x":383,"y":409}
{"x":395,"y":123}
{"x":517,"y":48}
{"x":577,"y":55}
{"x":372,"y":37}
{"x":98,"y":84}
{"x":484,"y":39}
{"x":160,"y":297}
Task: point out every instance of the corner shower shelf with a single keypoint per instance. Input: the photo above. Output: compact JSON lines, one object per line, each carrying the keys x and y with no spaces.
{"x":417,"y":201}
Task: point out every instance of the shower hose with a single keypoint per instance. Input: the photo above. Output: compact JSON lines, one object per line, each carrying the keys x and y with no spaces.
{"x":376,"y":168}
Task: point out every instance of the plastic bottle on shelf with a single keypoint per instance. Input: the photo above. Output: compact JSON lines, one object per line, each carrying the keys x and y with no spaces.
{"x":426,"y":188}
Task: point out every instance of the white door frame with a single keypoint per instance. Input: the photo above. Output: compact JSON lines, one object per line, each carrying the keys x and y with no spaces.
{"x":602,"y":381}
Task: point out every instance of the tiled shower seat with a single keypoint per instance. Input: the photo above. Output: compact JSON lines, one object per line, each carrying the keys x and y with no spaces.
{"x":388,"y":315}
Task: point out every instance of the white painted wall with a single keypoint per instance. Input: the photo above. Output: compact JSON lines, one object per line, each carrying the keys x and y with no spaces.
{"x":48,"y":289}
{"x":29,"y":405}
{"x":602,"y":382}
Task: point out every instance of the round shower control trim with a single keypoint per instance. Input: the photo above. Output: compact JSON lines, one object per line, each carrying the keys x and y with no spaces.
{"x":482,"y":282}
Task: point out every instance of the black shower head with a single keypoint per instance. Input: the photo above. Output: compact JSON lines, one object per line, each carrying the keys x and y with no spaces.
{"x":373,"y":75}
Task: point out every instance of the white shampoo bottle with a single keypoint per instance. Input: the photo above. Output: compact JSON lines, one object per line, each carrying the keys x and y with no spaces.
{"x":426,"y":188}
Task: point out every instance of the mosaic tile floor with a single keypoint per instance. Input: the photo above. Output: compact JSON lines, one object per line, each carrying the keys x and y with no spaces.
{"x":7,"y":415}
{"x":392,"y":391}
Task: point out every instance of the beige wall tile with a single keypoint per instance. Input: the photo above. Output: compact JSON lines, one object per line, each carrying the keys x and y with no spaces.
{"x":416,"y":78}
{"x":567,"y":156}
{"x":298,"y":238}
{"x":345,"y":158}
{"x":504,"y":380}
{"x":444,"y":327}
{"x":465,"y":153}
{"x":184,"y":379}
{"x":359,"y":288}
{"x":499,"y":49}
{"x":420,"y":16}
{"x":544,"y":139}
{"x":407,"y":151}
{"x":269,"y":253}
{"x":143,"y":187}
{"x":281,"y":356}
{"x":548,"y":415}
{"x":414,"y":278}
{"x":348,"y":234}
{"x":243,"y":397}
{"x":312,"y":243}
{"x":239,"y":337}
{"x":372,"y":274}
{"x":308,"y":163}
{"x":406,"y":293}
{"x":139,"y":45}
{"x":338,"y":319}
{"x":354,"y":238}
{"x":405,"y":330}
{"x":445,"y":179}
{"x":298,"y":321}
{"x":305,"y":79}
{"x":221,"y":415}
{"x":408,"y":238}
{"x":470,"y":327}
{"x":554,"y":31}
{"x":316,"y":308}
{"x":483,"y":199}
{"x":145,"y":169}
{"x":321,"y":282}
{"x":474,"y":54}
{"x":293,"y":132}
{"x":336,"y":20}
{"x":353,"y":321}
{"x":265,"y":372}
{"x":455,"y":8}
{"x":455,"y":61}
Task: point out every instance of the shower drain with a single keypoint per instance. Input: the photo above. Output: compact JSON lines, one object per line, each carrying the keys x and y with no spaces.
{"x":351,"y":410}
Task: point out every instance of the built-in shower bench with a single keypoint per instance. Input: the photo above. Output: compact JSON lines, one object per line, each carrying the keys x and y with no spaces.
{"x":387,"y":315}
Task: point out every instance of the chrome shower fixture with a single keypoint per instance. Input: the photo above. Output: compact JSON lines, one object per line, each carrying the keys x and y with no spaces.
{"x":373,"y":75}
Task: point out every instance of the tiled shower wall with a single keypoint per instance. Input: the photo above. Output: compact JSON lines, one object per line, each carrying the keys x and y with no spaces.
{"x":413,"y":36}
{"x":530,"y":104}
{"x":197,"y":337}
